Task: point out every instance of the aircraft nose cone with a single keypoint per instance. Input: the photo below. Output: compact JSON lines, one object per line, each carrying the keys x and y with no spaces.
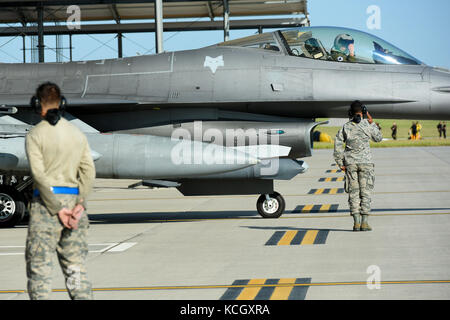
{"x":440,"y":92}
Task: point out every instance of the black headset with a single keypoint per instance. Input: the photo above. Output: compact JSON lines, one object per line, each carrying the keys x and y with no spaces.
{"x":363,"y":109}
{"x":53,"y":115}
{"x":35,"y":103}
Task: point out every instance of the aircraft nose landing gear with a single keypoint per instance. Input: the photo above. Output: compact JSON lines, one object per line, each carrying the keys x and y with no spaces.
{"x":12,"y":207}
{"x":270,"y":205}
{"x":15,"y":193}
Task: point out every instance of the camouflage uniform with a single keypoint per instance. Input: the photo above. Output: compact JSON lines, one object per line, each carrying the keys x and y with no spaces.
{"x":357,"y":158}
{"x":341,"y":57}
{"x":59,"y":156}
{"x":46,"y":235}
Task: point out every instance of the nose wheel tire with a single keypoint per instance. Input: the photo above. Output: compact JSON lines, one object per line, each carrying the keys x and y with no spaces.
{"x":12,"y":207}
{"x":270,"y":205}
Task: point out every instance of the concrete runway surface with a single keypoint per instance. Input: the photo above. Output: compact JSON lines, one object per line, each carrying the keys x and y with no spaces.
{"x":157,"y":244}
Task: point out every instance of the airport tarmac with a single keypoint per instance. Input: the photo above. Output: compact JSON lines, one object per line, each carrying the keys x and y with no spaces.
{"x":157,"y":244}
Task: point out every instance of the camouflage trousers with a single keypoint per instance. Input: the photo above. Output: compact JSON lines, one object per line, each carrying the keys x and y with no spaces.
{"x":359,"y":184}
{"x":47,"y":236}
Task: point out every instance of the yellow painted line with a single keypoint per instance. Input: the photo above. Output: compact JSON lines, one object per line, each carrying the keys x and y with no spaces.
{"x":340,"y":179}
{"x":250,"y":293}
{"x":319,"y":191}
{"x":325,"y":208}
{"x":252,"y":196}
{"x":259,"y":286}
{"x":287,"y":238}
{"x":309,"y":237}
{"x":327,"y":179}
{"x":282,"y":293}
{"x":256,"y":217}
{"x":13,"y":291}
{"x":333,"y":191}
{"x":352,"y":283}
{"x":307,"y":208}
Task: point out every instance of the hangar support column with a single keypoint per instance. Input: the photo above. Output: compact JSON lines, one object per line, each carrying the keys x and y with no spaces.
{"x":119,"y":45}
{"x":40,"y":14}
{"x":226,"y":21}
{"x":159,"y":26}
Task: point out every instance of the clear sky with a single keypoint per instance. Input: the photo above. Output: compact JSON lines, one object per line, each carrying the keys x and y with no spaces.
{"x":419,"y":27}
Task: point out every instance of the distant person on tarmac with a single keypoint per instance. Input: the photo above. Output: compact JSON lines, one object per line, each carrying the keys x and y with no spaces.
{"x":439,"y":127}
{"x":63,"y":173}
{"x":444,"y":130}
{"x":419,"y":129}
{"x":394,"y":131}
{"x":413,"y":131}
{"x":352,"y":154}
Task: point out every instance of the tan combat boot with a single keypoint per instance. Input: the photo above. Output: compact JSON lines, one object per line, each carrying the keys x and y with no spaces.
{"x":357,"y":222}
{"x":365,"y":223}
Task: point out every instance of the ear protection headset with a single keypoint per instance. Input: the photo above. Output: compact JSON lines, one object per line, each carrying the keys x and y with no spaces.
{"x":53,"y":115}
{"x":35,"y":103}
{"x":351,"y":115}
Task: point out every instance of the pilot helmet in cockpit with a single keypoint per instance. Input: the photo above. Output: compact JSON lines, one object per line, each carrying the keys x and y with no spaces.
{"x":342,"y":42}
{"x":343,"y":49}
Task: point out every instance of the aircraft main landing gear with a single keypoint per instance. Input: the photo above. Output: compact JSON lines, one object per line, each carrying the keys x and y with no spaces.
{"x":14,"y":196}
{"x":271,"y":205}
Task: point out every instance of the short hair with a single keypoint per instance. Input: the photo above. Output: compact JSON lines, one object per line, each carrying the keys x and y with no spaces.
{"x":356,"y":107}
{"x":48,"y":92}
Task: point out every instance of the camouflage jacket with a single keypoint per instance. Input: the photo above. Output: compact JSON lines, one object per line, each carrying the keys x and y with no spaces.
{"x":356,"y":137}
{"x":341,"y":57}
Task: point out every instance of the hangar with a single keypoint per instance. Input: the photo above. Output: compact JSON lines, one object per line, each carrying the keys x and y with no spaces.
{"x":38,"y":19}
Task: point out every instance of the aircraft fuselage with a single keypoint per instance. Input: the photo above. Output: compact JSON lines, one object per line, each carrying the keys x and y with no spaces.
{"x":237,"y":79}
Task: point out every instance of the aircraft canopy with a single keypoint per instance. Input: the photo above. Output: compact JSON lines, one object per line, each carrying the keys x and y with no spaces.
{"x":330,"y":44}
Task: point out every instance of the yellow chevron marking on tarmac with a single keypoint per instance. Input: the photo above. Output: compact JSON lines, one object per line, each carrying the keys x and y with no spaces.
{"x":287,"y":238}
{"x":308,"y":207}
{"x":309,"y":237}
{"x":282,"y":293}
{"x":325,"y":208}
{"x":251,"y":292}
{"x":319,"y":191}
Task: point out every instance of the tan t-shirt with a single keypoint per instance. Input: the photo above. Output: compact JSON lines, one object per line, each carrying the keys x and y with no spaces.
{"x":59,"y":156}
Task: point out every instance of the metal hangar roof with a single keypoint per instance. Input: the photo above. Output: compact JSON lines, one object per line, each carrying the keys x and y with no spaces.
{"x":24,"y":11}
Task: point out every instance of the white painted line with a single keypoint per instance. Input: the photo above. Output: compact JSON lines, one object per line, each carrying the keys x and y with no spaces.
{"x":6,"y":247}
{"x":122,"y":247}
{"x":107,"y":246}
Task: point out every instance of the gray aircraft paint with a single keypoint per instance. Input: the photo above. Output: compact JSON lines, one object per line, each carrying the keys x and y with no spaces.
{"x":293,"y":134}
{"x":226,"y":87}
{"x":135,"y":157}
{"x":246,"y":80}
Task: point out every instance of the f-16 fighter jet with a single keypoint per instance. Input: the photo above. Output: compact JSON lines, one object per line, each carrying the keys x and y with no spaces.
{"x":253,"y":100}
